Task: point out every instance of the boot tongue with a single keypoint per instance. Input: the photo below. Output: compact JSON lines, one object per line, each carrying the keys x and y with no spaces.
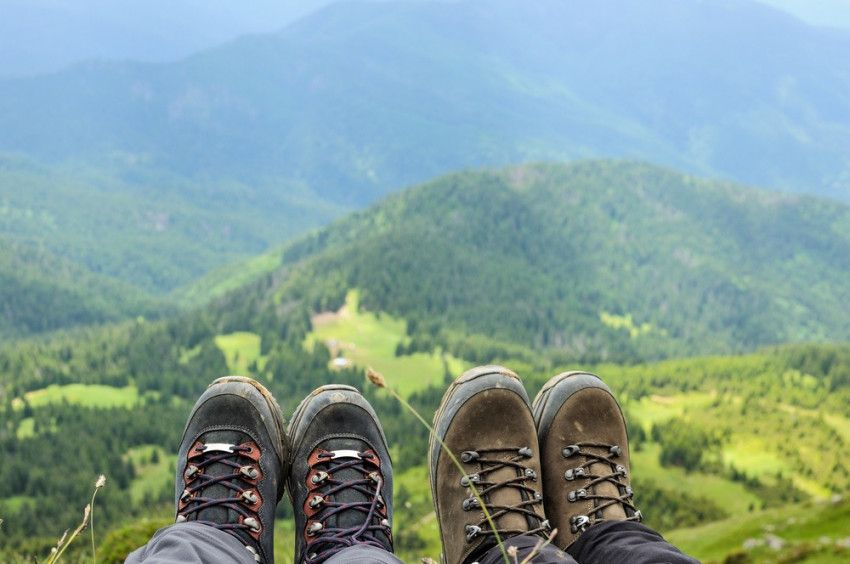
{"x":220,"y":513}
{"x":506,"y":496}
{"x":606,"y":488}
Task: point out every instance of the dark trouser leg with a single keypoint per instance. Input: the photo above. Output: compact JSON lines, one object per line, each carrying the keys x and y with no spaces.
{"x":625,"y":541}
{"x":525,"y":546}
{"x":189,"y":543}
{"x":363,"y":554}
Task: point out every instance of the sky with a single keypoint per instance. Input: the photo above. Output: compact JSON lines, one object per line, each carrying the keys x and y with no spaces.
{"x":833,"y":13}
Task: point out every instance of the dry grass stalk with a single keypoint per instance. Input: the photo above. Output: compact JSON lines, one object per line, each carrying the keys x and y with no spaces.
{"x":88,"y":520}
{"x":378,"y":380}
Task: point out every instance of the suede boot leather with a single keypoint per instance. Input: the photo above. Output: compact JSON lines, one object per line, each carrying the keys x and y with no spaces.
{"x":232,"y":462}
{"x":485,"y":420}
{"x":585,"y":455}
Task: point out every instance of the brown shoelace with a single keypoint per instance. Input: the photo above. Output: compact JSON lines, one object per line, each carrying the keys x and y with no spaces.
{"x":489,"y":465}
{"x":582,"y":472}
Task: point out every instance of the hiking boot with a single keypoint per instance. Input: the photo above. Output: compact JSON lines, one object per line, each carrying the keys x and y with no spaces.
{"x":232,"y":462}
{"x":486,"y":421}
{"x":585,"y":453}
{"x":342,"y":478}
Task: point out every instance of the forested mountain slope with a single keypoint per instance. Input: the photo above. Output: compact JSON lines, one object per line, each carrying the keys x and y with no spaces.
{"x":597,"y":259}
{"x":156,"y":174}
{"x":40,"y":292}
{"x":80,"y":244}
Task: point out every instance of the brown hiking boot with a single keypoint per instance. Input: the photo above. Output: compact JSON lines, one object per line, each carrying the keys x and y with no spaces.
{"x":485,"y":420}
{"x":585,"y":455}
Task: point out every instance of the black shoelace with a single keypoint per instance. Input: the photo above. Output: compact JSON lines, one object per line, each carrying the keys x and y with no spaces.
{"x":529,"y":496}
{"x":326,"y":541}
{"x":242,"y":482}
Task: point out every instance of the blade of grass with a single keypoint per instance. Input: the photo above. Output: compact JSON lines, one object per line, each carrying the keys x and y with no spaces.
{"x":378,"y":380}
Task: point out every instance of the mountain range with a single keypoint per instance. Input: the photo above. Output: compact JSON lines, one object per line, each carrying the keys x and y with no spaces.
{"x":155,"y":174}
{"x":596,"y":259}
{"x":359,"y":99}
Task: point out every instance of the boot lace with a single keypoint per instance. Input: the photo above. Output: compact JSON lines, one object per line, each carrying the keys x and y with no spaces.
{"x":488,"y":462}
{"x":242,"y":481}
{"x":616,"y":476}
{"x":322,"y":485}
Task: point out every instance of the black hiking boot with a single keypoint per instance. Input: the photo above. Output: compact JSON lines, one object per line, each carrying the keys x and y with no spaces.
{"x":585,"y":454}
{"x":485,"y":420}
{"x":342,"y":478}
{"x":232,"y":462}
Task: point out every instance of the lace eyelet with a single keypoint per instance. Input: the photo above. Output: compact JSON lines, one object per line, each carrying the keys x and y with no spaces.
{"x":576,"y":495}
{"x":579,"y":523}
{"x":574,"y":473}
{"x":469,"y":456}
{"x":252,"y":523}
{"x":570,"y":450}
{"x":470,"y":503}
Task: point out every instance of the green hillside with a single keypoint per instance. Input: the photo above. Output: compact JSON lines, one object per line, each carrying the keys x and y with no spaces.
{"x":82,"y":244}
{"x":41,"y":292}
{"x":158,"y":175}
{"x":593,"y":260}
{"x":542,"y":268}
{"x":150,"y":229}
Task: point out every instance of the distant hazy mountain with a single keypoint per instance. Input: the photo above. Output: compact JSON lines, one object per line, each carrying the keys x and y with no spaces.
{"x":46,"y":35}
{"x":361,"y":98}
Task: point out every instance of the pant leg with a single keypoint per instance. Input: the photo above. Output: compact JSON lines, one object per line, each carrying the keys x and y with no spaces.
{"x":363,"y":554}
{"x":625,"y":541}
{"x":190,"y":543}
{"x":526,"y":545}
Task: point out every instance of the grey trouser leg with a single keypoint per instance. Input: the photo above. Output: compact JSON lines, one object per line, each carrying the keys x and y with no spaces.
{"x":188,"y":543}
{"x":363,"y":554}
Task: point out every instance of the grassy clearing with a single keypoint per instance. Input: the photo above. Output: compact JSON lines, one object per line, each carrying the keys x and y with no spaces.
{"x":87,"y":395}
{"x":241,"y":350}
{"x":153,"y":471}
{"x":14,"y":503}
{"x":756,"y":435}
{"x":26,"y":428}
{"x":655,"y":409}
{"x":731,"y":496}
{"x":367,"y":339}
{"x":752,"y":456}
{"x":810,"y":532}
